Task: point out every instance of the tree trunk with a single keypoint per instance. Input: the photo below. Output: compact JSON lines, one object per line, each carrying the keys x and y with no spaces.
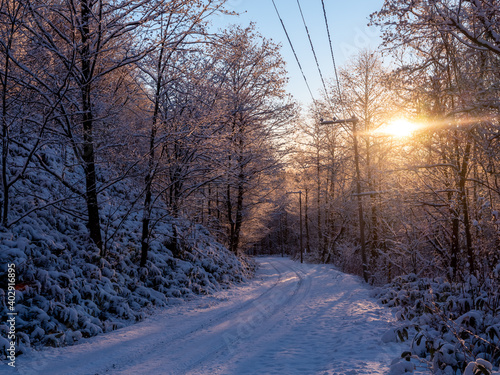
{"x":465,"y":207}
{"x":373,"y":233}
{"x":455,"y":242}
{"x":306,"y":220}
{"x":239,"y":217}
{"x":229,"y":213}
{"x":4,"y":211}
{"x":91,"y":183}
{"x":238,"y":220}
{"x":318,"y":203}
{"x":145,"y":223}
{"x":88,"y":141}
{"x":360,"y":204}
{"x":148,"y":198}
{"x":148,"y":180}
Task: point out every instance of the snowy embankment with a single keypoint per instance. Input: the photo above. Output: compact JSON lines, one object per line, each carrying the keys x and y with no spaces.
{"x":454,"y":327}
{"x":291,"y":319}
{"x":66,"y":289}
{"x":66,"y":292}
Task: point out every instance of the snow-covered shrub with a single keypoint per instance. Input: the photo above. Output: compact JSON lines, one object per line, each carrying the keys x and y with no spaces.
{"x":401,"y":366}
{"x":451,"y":324}
{"x":63,"y":298}
{"x":65,"y":290}
{"x":480,"y":367}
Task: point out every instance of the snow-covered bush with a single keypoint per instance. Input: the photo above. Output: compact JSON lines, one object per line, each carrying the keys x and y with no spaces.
{"x":66,"y":290}
{"x":451,"y":324}
{"x":480,"y":367}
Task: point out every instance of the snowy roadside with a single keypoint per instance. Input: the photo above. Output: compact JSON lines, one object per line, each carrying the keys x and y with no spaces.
{"x":292,"y":318}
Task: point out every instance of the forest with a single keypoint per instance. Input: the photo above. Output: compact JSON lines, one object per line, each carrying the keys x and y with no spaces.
{"x":145,"y":157}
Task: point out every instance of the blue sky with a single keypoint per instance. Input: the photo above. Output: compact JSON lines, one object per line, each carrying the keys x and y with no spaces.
{"x":348,"y":27}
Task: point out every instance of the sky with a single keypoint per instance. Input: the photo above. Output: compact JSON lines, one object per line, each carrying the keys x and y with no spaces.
{"x":347,"y":21}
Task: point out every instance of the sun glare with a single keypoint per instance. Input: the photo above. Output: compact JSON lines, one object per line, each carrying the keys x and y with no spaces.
{"x":400,"y":128}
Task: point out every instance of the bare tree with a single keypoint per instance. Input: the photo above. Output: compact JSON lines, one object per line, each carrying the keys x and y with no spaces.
{"x":255,"y":109}
{"x":29,"y":100}
{"x":90,"y":40}
{"x":181,"y":26}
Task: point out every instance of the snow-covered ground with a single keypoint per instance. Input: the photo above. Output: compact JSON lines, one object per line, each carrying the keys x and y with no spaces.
{"x":291,"y":319}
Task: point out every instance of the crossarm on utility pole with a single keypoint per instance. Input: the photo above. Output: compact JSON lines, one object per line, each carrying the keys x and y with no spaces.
{"x":335,"y":121}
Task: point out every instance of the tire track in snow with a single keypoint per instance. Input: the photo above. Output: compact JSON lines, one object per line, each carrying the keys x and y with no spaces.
{"x":335,"y":330}
{"x":225,"y":314}
{"x":190,"y":335}
{"x":240,"y":325}
{"x":267,"y":318}
{"x":141,"y":336}
{"x":272,"y":328}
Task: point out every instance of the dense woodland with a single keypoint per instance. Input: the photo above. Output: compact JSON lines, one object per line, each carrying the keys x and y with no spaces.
{"x":132,"y":132}
{"x":430,"y":198}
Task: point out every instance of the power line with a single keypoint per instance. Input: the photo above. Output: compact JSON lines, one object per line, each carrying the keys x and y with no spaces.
{"x":341,"y":99}
{"x":333,"y":56}
{"x":313,"y":50}
{"x":295,"y":54}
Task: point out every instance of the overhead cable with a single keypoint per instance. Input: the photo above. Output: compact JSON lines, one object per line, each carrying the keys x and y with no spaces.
{"x":313,"y":50}
{"x":293,"y":50}
{"x":333,"y":56}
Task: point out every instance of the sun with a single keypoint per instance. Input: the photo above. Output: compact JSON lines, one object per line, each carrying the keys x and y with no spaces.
{"x":399,"y":128}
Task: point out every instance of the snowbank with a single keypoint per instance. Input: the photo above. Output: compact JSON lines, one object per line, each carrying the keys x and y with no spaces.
{"x":66,"y":291}
{"x":454,"y":327}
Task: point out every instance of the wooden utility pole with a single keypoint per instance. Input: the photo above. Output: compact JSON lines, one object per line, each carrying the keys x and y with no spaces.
{"x":300,"y":219}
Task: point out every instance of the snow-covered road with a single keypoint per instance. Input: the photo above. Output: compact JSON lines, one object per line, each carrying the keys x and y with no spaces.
{"x":291,"y":319}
